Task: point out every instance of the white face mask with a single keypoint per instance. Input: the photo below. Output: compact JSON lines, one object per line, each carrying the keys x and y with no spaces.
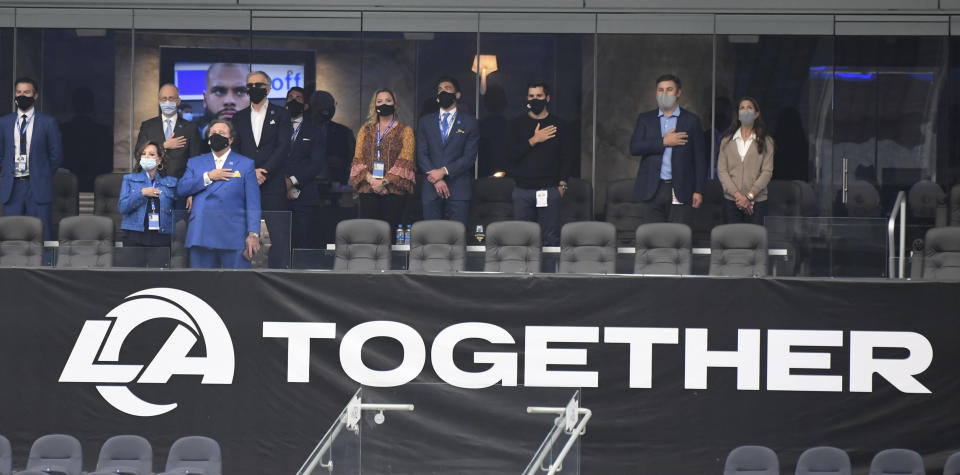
{"x":148,"y":164}
{"x":168,"y":108}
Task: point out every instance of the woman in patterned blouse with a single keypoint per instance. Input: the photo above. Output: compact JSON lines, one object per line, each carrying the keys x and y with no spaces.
{"x":383,"y":171}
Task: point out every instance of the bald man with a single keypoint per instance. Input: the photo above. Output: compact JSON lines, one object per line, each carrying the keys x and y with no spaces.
{"x":179,"y":137}
{"x":226,"y":91}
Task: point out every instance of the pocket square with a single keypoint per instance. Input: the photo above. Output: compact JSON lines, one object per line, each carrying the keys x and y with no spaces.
{"x":460,"y":131}
{"x":272,"y":122}
{"x":306,"y":139}
{"x":236,"y":174}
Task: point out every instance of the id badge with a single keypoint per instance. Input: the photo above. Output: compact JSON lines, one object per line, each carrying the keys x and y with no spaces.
{"x":20,"y":163}
{"x":673,"y":197}
{"x":542,"y":198}
{"x":378,"y":169}
{"x":153,"y":221}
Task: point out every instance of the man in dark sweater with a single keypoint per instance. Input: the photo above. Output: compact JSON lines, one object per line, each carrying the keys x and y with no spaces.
{"x":540,"y":164}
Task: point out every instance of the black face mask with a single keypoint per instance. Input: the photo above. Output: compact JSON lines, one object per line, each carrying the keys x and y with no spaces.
{"x":385,"y":110}
{"x":295,"y":108}
{"x":536,"y":105}
{"x":24,"y":103}
{"x":446,"y":99}
{"x":218,"y":142}
{"x":322,"y":116}
{"x":256,"y":94}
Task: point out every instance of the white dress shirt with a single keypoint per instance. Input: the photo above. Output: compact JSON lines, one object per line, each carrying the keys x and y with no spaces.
{"x":743,"y":146}
{"x":256,"y":121}
{"x":173,"y":124}
{"x":16,"y":137}
{"x":218,"y":161}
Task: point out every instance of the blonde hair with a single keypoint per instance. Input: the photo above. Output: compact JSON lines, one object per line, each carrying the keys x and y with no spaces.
{"x":372,"y":112}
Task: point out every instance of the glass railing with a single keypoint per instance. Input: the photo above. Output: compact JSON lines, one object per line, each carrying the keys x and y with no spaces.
{"x":829,"y":246}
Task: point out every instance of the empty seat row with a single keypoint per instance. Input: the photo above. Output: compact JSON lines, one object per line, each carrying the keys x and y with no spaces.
{"x":760,"y":460}
{"x":363,"y":245}
{"x":123,"y":454}
{"x":84,"y":241}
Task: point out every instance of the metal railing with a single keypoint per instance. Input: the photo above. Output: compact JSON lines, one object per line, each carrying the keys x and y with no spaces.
{"x":899,"y":209}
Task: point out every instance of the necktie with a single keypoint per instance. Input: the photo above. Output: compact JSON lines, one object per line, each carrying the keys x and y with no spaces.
{"x":167,"y":132}
{"x":23,"y":134}
{"x":444,"y":127}
{"x":296,"y":131}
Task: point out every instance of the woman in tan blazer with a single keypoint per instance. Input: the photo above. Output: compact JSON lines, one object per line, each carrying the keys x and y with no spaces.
{"x":745,"y":165}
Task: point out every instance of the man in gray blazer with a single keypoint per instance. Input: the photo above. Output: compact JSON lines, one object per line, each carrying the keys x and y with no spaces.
{"x":447,"y":142}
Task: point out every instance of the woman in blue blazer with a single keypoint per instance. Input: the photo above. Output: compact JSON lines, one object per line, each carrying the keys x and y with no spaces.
{"x":147,"y":200}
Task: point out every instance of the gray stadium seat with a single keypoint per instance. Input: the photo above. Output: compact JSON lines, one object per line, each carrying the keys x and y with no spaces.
{"x":66,"y":199}
{"x":954,"y":206}
{"x":363,"y":245}
{"x":491,"y":201}
{"x":195,"y":455}
{"x":513,"y":246}
{"x":588,"y":247}
{"x":752,"y":460}
{"x":952,"y":467}
{"x":927,"y":200}
{"x":106,"y":199}
{"x":85,"y":241}
{"x":577,"y":202}
{"x":823,"y":460}
{"x":783,"y":198}
{"x":623,"y":211}
{"x":125,"y":454}
{"x":663,"y":248}
{"x":863,"y":200}
{"x":808,"y":198}
{"x":6,"y":456}
{"x":738,"y":250}
{"x":941,"y":254}
{"x":897,"y":462}
{"x":56,"y":454}
{"x":437,"y":246}
{"x":21,"y":241}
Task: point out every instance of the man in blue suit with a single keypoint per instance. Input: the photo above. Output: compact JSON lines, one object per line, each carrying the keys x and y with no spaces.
{"x":447,"y":143}
{"x":224,"y":223}
{"x":673,"y":169}
{"x":30,"y":152}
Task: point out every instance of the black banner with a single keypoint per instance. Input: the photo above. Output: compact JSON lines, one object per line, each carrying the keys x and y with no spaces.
{"x":264,"y":361}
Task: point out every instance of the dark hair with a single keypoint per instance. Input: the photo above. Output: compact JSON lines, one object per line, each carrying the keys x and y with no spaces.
{"x":321,"y":101}
{"x":27,"y":80}
{"x":161,"y":169}
{"x":758,"y":127}
{"x":670,"y":77}
{"x":451,"y":80}
{"x":233,"y":132}
{"x":535,"y":84}
{"x":297,"y":89}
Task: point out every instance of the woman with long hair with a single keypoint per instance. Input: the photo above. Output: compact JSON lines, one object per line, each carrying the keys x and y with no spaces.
{"x":146,"y":200}
{"x":745,"y":165}
{"x":383,"y":171}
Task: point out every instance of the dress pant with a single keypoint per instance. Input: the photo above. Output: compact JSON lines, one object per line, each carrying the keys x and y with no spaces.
{"x":276,"y":213}
{"x":732,"y":214}
{"x":660,"y":208}
{"x":306,"y":226}
{"x":204,"y":258}
{"x":452,"y":210}
{"x":525,"y":209}
{"x":387,"y":207}
{"x":21,"y":203}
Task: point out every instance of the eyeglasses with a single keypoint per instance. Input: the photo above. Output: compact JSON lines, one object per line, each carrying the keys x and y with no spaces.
{"x":260,"y":85}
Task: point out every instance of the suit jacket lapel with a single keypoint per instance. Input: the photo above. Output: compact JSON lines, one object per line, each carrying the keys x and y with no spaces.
{"x":37,"y":134}
{"x":434,"y":129}
{"x":266,"y":122}
{"x":212,"y":163}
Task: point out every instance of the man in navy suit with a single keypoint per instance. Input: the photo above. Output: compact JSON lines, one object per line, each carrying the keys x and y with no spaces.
{"x":30,"y":152}
{"x":447,"y":143}
{"x":673,"y":169}
{"x":307,"y":161}
{"x":224,"y":222}
{"x":263,"y":134}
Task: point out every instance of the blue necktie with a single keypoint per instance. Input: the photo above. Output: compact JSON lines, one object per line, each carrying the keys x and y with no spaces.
{"x":168,"y":131}
{"x":444,"y":127}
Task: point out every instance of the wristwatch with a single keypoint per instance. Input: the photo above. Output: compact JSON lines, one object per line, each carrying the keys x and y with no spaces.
{"x":750,"y":195}
{"x":256,"y":235}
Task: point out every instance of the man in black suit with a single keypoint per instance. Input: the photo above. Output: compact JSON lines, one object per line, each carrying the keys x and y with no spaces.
{"x":307,"y":161}
{"x":673,"y":169}
{"x":264,"y":132}
{"x":179,"y":137}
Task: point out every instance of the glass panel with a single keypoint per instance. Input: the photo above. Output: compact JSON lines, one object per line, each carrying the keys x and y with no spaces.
{"x":145,"y":257}
{"x":338,"y":452}
{"x":76,"y":70}
{"x":444,"y":434}
{"x":888,"y":94}
{"x":6,"y":64}
{"x":829,"y":247}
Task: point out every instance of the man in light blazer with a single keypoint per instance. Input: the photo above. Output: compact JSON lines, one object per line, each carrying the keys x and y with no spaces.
{"x":447,"y":143}
{"x":30,"y":152}
{"x":673,"y":170}
{"x":264,"y":133}
{"x":224,"y":222}
{"x":180,"y":138}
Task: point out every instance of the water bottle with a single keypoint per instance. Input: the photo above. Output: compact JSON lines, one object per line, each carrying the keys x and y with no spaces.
{"x":399,"y":234}
{"x":479,"y":235}
{"x":406,"y":235}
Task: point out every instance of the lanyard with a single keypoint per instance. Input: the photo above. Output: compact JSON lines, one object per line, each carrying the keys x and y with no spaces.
{"x":153,"y":201}
{"x":385,"y":132}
